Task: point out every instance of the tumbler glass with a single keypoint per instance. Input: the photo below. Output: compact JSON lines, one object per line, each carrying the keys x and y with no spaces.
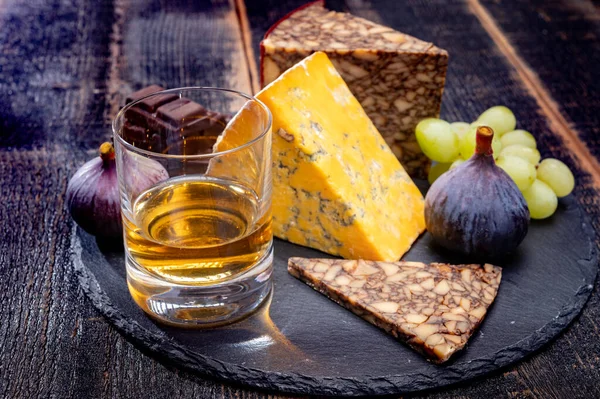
{"x":194,"y":169}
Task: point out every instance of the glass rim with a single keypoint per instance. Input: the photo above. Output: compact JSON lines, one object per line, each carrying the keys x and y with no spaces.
{"x":248,"y":97}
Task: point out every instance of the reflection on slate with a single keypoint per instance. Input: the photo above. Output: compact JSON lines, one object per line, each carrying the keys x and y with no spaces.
{"x":171,"y":124}
{"x":257,"y":335}
{"x":303,"y":342}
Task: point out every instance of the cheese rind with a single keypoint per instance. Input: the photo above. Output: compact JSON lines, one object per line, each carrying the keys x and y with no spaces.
{"x":246,"y":163}
{"x":337,"y":186}
{"x":433,"y":308}
{"x":397,"y":78}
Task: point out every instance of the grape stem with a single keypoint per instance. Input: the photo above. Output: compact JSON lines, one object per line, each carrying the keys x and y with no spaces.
{"x":483,"y":141}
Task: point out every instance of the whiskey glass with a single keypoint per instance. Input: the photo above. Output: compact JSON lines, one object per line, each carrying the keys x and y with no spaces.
{"x":194,"y":170}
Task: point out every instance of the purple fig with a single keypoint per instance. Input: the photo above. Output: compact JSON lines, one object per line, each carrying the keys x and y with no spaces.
{"x":476,"y":209}
{"x":93,"y":192}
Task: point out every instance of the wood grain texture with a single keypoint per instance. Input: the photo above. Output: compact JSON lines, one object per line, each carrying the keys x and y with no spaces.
{"x":562,"y":47}
{"x":64,"y":67}
{"x":246,"y":36}
{"x":180,"y":44}
{"x":549,"y":107}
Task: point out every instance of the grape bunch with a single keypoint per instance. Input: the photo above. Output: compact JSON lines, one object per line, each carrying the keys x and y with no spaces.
{"x":540,"y":181}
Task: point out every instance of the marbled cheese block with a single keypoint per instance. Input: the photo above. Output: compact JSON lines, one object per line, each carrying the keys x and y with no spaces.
{"x":433,"y":308}
{"x":337,"y":186}
{"x":397,"y":78}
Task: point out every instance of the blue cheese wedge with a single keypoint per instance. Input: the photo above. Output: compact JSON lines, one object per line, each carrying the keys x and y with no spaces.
{"x":337,"y":186}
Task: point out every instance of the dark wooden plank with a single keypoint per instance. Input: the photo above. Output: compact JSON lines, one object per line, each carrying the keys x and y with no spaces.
{"x":481,"y":75}
{"x":559,"y":42}
{"x":550,"y":109}
{"x":52,"y":73}
{"x":63,"y":67}
{"x":248,"y":43}
{"x":176,"y":44}
{"x":53,"y":68}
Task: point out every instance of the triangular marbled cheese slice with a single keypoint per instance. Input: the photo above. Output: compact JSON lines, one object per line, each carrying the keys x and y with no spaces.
{"x":434,"y":308}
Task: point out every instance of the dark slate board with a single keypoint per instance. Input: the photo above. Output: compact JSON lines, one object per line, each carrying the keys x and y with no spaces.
{"x":302,"y":342}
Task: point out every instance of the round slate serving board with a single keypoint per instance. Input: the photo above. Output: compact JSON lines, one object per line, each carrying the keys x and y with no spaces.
{"x":302,"y":342}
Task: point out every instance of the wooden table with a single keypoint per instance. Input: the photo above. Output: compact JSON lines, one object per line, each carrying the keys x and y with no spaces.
{"x":65,"y":66}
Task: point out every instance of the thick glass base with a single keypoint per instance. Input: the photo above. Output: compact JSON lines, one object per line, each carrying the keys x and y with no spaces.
{"x":200,"y":306}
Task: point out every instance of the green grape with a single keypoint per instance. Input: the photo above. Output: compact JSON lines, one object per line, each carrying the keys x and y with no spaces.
{"x":541,"y":200}
{"x":457,"y":162}
{"x":460,"y":128}
{"x":436,"y":171}
{"x":531,"y":155}
{"x":467,"y":143}
{"x":522,"y":137}
{"x":499,"y":118}
{"x":556,"y":175}
{"x":522,"y":172}
{"x":437,"y":140}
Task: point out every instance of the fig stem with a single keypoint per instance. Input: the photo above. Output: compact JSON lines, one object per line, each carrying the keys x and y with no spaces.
{"x":483,"y":140}
{"x":107,"y":152}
